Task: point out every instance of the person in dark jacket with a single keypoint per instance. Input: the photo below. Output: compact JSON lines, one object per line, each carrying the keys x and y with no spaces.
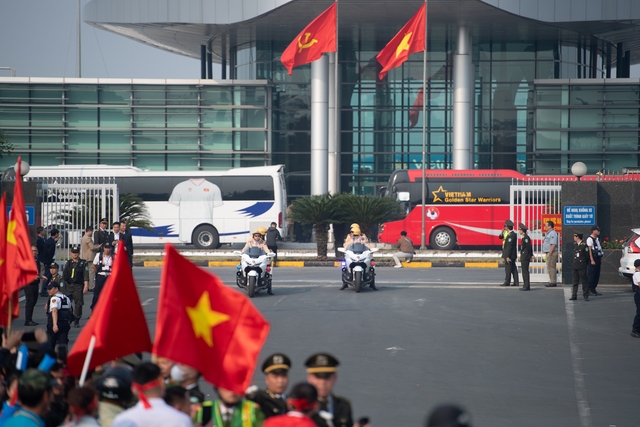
{"x":526,"y":256}
{"x":31,"y":293}
{"x":322,"y":373}
{"x":276,"y":377}
{"x":101,"y":235}
{"x":272,"y":237}
{"x":580,"y":262}
{"x":510,"y":254}
{"x":49,"y":255}
{"x":125,"y":235}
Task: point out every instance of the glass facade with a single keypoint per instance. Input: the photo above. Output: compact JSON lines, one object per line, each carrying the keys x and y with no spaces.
{"x":204,"y":126}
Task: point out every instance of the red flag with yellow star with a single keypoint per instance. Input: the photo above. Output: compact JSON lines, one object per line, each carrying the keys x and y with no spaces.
{"x":410,"y":39}
{"x":317,"y":38}
{"x":4,"y":306}
{"x":117,"y":322}
{"x":20,"y":269}
{"x":206,"y":325}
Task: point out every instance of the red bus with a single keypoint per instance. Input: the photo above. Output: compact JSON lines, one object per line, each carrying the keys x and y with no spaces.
{"x":467,"y":207}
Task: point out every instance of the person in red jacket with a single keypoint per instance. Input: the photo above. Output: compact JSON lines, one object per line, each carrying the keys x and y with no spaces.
{"x":302,"y":403}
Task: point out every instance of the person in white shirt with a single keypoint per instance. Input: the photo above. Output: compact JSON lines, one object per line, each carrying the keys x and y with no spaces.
{"x":151,"y":410}
{"x":114,"y":236}
{"x":103,"y":263}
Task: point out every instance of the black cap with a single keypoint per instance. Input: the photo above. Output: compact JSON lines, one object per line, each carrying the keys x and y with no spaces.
{"x":54,"y":265}
{"x":52,"y":285}
{"x":321,"y":363}
{"x":579,"y":235}
{"x":636,"y":263}
{"x":522,"y":227}
{"x":276,"y":362}
{"x":508,"y":223}
{"x":75,"y":250}
{"x":595,"y":227}
{"x":115,"y":384}
{"x":107,"y":245}
{"x":104,"y":220}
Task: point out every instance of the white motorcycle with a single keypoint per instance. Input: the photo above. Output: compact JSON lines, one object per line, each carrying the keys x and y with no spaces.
{"x":358,"y":267}
{"x":254,"y":271}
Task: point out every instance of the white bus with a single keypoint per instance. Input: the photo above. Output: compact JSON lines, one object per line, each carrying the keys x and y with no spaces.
{"x":203,"y":208}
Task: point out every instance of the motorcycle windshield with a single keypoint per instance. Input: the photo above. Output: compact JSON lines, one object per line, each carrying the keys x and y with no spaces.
{"x":357,"y":248}
{"x":254,"y":252}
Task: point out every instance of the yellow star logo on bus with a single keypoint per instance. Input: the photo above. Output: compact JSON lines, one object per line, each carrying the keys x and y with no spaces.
{"x":204,"y":319}
{"x":404,"y":44}
{"x":437,"y":198}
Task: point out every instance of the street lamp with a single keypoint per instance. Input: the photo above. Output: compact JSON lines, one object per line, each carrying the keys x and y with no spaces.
{"x":24,"y":168}
{"x":579,"y":170}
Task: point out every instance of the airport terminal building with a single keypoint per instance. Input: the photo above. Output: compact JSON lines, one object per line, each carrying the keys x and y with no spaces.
{"x":547,"y":83}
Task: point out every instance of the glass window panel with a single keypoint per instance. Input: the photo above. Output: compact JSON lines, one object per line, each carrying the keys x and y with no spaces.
{"x":249,"y":118}
{"x":584,"y":95}
{"x":252,"y":96}
{"x":46,"y":117}
{"x":149,"y":140}
{"x":618,"y":161}
{"x":82,"y":94}
{"x":38,"y":159}
{"x":212,"y":95}
{"x":115,"y":159}
{"x":217,"y":118}
{"x":593,"y":161}
{"x":82,"y":140}
{"x":585,"y":118}
{"x":114,"y":94}
{"x":545,"y":69}
{"x":621,"y":141}
{"x":585,"y":141}
{"x":550,"y":119}
{"x":182,"y":162}
{"x":220,"y":162}
{"x":217,"y":141}
{"x":622,"y":118}
{"x":621,"y":95}
{"x":82,"y":117}
{"x":153,"y":162}
{"x":44,"y":94}
{"x":46,"y":140}
{"x":114,"y":140}
{"x":11,"y":94}
{"x":72,"y":158}
{"x":182,"y":118}
{"x":182,"y":141}
{"x":549,"y":140}
{"x":182,"y":95}
{"x":149,"y":95}
{"x":249,"y":141}
{"x":19,"y":139}
{"x":14,"y":116}
{"x":149,"y":117}
{"x":115,"y":117}
{"x":550,"y":96}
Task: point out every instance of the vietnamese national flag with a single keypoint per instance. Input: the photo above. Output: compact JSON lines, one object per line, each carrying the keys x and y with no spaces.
{"x":117,"y":322}
{"x":317,"y":38}
{"x":410,"y":39}
{"x":21,"y":268}
{"x":4,"y":307}
{"x":206,"y":325}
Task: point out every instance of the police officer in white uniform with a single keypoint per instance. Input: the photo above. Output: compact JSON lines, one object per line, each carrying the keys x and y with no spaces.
{"x":103,"y":263}
{"x":59,"y":316}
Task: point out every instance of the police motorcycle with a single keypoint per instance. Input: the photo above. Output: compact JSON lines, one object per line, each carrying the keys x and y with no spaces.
{"x":358,"y":266}
{"x":254,"y":271}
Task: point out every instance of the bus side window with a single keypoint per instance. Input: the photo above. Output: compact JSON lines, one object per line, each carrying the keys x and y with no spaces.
{"x":247,"y":188}
{"x":151,"y":189}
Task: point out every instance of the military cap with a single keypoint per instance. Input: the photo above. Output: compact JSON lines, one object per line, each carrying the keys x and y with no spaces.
{"x":322,"y":363}
{"x":508,"y":223}
{"x":36,"y":380}
{"x":54,"y":265}
{"x":522,"y":227}
{"x":52,"y":285}
{"x":104,"y":220}
{"x":75,"y":249}
{"x":276,"y":362}
{"x":578,"y":235}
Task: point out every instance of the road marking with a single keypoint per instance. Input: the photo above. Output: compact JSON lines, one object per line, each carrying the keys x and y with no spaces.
{"x":279,"y":301}
{"x":394,"y":350}
{"x":147,"y":301}
{"x":421,"y":301}
{"x":292,"y":284}
{"x":584,"y":412}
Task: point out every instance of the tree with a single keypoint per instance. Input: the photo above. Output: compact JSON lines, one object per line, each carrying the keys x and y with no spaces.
{"x":319,"y":211}
{"x":367,"y":211}
{"x":6,"y":147}
{"x":135,"y":212}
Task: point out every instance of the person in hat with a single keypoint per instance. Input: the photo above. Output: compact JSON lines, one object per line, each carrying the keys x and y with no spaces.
{"x":579,"y":267}
{"x":34,"y":394}
{"x":59,"y":314}
{"x":322,"y":373}
{"x":103,"y":263}
{"x":550,"y":249}
{"x":114,"y":391}
{"x":448,"y":416}
{"x":526,"y":256}
{"x":355,"y":236}
{"x":510,"y":255}
{"x":101,"y":235}
{"x":302,"y":405}
{"x":88,"y":251}
{"x":229,"y":410}
{"x":76,"y":278}
{"x":151,"y":409}
{"x":276,"y":377}
{"x":257,"y":240}
{"x":49,"y":255}
{"x":595,"y":260}
{"x":635,"y":284}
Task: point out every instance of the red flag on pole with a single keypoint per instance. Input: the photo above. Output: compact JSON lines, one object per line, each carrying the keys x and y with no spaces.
{"x":21,"y":269}
{"x":4,"y":298}
{"x":117,"y":322}
{"x":206,"y":325}
{"x":410,"y":39}
{"x":317,"y":38}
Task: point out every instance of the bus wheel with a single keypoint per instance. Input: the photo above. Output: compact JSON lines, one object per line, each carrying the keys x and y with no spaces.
{"x":206,"y":237}
{"x":443,"y":238}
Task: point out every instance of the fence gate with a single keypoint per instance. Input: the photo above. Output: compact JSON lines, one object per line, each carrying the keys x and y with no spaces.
{"x":533,"y":204}
{"x":71,"y":205}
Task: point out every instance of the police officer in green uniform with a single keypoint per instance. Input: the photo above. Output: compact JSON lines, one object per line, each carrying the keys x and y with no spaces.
{"x":510,"y":254}
{"x":579,"y":267}
{"x":229,"y":410}
{"x":526,"y":256}
{"x":272,"y":401}
{"x":76,"y":276}
{"x":54,"y":269}
{"x":322,"y":373}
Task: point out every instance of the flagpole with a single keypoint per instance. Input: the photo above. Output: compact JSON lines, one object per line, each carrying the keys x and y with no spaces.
{"x":87,"y":360}
{"x":423,"y":238}
{"x":336,"y":110}
{"x":9,"y":317}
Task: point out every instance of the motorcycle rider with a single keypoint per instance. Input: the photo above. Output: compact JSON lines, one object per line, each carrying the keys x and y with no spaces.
{"x":257,"y":240}
{"x":356,"y":236}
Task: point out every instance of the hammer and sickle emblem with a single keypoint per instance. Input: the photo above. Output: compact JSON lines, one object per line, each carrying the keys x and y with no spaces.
{"x":307,"y":44}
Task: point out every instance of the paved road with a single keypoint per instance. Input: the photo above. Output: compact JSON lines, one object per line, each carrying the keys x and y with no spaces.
{"x":443,"y":335}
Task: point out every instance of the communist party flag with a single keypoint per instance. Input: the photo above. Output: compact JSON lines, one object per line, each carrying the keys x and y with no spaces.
{"x":317,"y":38}
{"x":117,"y":322}
{"x":4,"y":298}
{"x":410,"y":39}
{"x":21,"y":268}
{"x":206,"y":325}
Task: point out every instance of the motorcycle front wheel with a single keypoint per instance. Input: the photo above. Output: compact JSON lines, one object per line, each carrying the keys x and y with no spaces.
{"x":251,"y":289}
{"x":357,"y":280}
